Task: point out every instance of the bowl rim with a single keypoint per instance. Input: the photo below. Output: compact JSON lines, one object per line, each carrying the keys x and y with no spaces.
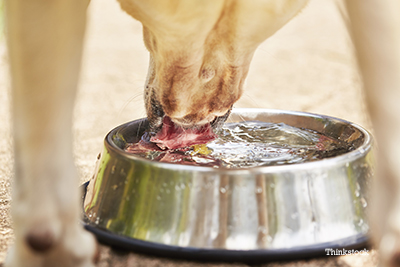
{"x":342,"y":159}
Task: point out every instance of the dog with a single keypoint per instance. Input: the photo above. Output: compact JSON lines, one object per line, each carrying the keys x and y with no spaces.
{"x":200,"y":55}
{"x":375,"y":28}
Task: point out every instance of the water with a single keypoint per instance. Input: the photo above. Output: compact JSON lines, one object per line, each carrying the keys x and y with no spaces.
{"x":252,"y":144}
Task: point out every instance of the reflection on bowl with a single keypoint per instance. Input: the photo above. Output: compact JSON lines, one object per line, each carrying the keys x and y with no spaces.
{"x":260,"y":208}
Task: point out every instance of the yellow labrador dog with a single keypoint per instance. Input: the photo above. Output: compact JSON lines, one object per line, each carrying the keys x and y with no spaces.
{"x":375,"y":25}
{"x":200,"y":55}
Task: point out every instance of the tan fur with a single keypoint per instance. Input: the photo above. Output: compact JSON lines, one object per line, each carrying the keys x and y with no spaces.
{"x":45,"y":44}
{"x":200,"y":52}
{"x":376,"y":33}
{"x":200,"y":55}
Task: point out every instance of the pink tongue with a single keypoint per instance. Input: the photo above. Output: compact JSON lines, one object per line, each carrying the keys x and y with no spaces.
{"x":172,"y":136}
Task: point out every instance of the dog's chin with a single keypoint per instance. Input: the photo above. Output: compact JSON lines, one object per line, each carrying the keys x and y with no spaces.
{"x":156,"y":122}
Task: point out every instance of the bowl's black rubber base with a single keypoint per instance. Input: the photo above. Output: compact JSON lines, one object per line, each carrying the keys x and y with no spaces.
{"x":340,"y":247}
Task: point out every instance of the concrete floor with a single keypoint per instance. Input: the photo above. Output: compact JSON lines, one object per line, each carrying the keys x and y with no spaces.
{"x":307,"y":66}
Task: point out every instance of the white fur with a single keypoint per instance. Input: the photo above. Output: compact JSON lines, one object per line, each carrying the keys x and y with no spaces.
{"x":45,"y":44}
{"x":375,"y":28}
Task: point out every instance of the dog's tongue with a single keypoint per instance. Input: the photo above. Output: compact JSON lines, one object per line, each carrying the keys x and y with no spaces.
{"x":172,"y":136}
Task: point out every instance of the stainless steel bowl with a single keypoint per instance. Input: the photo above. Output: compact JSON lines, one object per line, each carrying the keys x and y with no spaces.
{"x":269,"y":210}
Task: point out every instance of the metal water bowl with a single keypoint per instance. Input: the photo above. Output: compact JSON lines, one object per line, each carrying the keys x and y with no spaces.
{"x":249,"y":214}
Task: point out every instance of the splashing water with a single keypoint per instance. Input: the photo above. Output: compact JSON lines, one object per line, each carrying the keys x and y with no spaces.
{"x":249,"y":144}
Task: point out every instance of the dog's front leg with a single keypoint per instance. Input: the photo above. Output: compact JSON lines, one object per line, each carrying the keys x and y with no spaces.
{"x":376,"y":34}
{"x":45,"y":44}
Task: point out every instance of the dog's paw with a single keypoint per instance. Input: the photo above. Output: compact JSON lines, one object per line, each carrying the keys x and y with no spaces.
{"x":75,"y":248}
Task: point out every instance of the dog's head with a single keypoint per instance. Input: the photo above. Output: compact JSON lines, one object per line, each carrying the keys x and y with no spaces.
{"x":200,"y":52}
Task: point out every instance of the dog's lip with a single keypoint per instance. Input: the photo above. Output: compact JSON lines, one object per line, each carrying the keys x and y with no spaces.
{"x":187,"y":125}
{"x":215,"y":122}
{"x":179,"y":124}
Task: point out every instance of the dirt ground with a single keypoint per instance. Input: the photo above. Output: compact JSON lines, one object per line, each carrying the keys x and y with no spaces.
{"x":307,"y":66}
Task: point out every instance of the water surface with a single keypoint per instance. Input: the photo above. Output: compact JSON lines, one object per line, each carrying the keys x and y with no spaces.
{"x":251,"y":144}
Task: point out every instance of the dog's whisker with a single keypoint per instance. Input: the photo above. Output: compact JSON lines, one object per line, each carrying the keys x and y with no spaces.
{"x":129,"y":101}
{"x":242,"y":118}
{"x":272,"y":56}
{"x":252,"y":99}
